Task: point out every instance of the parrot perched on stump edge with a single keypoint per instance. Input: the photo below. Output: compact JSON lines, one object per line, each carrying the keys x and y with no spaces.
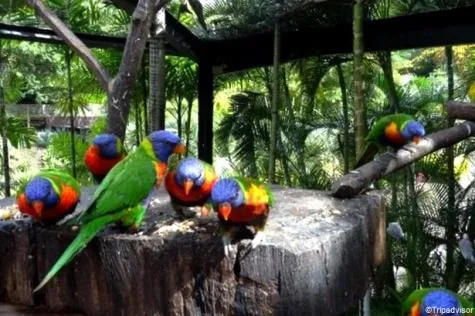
{"x":103,"y":154}
{"x":434,"y":302}
{"x":48,"y":196}
{"x":241,"y":202}
{"x":394,"y":130}
{"x":189,"y":186}
{"x":118,"y":198}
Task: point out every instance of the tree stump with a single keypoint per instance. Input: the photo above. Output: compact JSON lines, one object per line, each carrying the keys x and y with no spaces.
{"x":316,"y":258}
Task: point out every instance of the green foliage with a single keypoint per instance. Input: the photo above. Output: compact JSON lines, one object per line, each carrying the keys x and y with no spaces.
{"x":98,"y":127}
{"x":58,"y":155}
{"x":18,"y":134}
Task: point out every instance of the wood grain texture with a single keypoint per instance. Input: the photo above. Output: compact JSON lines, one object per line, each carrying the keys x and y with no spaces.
{"x":461,"y":110}
{"x":315,"y":259}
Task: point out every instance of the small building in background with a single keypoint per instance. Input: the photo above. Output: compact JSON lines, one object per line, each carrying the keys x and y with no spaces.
{"x":46,"y":117}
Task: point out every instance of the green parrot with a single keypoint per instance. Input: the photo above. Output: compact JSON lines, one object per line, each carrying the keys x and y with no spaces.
{"x":394,"y":130}
{"x":435,"y":301}
{"x":118,"y":198}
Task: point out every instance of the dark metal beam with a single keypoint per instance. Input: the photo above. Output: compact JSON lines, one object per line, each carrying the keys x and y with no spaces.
{"x":432,"y":29}
{"x":180,"y":38}
{"x":34,"y":34}
{"x":205,"y":111}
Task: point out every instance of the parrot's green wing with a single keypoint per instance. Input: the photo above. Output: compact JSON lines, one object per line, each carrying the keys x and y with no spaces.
{"x":377,"y":130}
{"x":56,"y":177}
{"x":126,"y":185}
{"x":60,"y":177}
{"x":401,"y":119}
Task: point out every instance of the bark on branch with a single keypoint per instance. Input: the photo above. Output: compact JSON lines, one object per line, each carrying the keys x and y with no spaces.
{"x":72,"y":40}
{"x":353,"y":182}
{"x":461,"y":110}
{"x":119,"y":90}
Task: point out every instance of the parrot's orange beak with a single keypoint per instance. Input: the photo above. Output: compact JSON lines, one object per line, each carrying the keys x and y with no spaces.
{"x":225,"y":210}
{"x":415,"y":309}
{"x":38,"y":206}
{"x":187,"y":186}
{"x":416,"y":139}
{"x":179,"y":149}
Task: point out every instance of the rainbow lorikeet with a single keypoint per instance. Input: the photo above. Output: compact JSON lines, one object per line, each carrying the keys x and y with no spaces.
{"x":189,"y":186}
{"x":48,"y":196}
{"x":241,"y":202}
{"x":118,"y":198}
{"x":104,"y":153}
{"x":434,"y":302}
{"x":395,"y":131}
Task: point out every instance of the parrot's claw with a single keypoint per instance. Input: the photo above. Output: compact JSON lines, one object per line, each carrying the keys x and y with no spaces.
{"x":228,"y":247}
{"x":258,"y":238}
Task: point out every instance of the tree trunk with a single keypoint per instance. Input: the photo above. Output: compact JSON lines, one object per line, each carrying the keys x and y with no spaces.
{"x":386,"y":64}
{"x":145,"y":101}
{"x":188,"y":125}
{"x":305,"y":266}
{"x":346,"y":121}
{"x":299,"y":148}
{"x":451,"y":217}
{"x":138,"y":126}
{"x":179,"y":105}
{"x":72,"y":116}
{"x":275,"y":104}
{"x":359,"y":106}
{"x":3,"y":130}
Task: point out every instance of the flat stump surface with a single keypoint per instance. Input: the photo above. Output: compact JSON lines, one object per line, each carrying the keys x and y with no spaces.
{"x":315,"y":259}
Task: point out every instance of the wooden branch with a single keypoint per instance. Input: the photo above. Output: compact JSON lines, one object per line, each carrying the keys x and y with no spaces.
{"x":124,"y":82}
{"x":72,"y":40}
{"x":461,"y":110}
{"x":353,"y":182}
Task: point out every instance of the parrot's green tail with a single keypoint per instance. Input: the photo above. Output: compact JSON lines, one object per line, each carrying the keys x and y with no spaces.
{"x":370,"y":152}
{"x":85,"y":235}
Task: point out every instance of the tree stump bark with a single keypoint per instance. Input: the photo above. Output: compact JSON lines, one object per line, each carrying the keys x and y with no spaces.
{"x":316,"y":259}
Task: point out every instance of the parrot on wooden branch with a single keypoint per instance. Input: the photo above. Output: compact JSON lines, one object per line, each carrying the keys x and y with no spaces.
{"x":434,"y":302}
{"x":49,"y":196}
{"x":118,"y":199}
{"x":189,"y":185}
{"x":395,"y":131}
{"x":241,"y":202}
{"x":103,"y":154}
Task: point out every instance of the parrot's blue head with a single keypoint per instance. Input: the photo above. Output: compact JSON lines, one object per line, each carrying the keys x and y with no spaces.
{"x":226,"y":194}
{"x":413,"y":131}
{"x":109,"y":145}
{"x":190,"y":172}
{"x":40,"y":194}
{"x":165,"y":143}
{"x":442,"y":300}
